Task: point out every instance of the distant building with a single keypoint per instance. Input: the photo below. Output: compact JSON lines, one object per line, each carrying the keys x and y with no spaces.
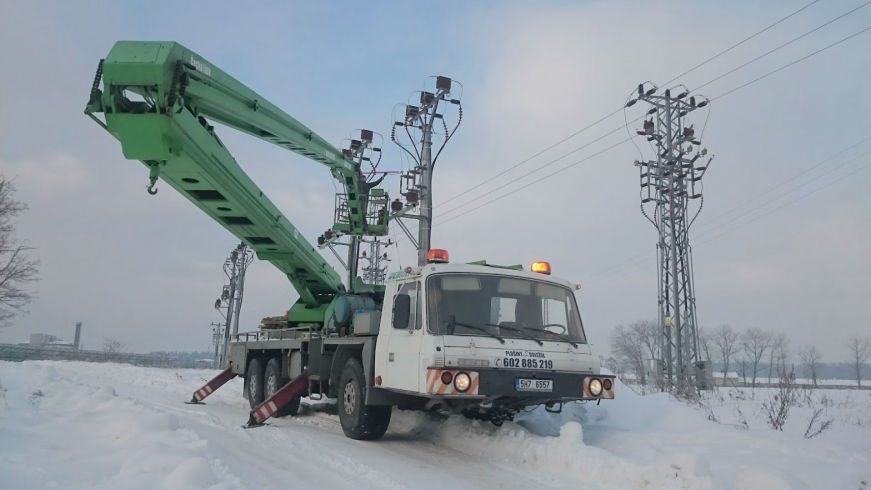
{"x":47,"y":341}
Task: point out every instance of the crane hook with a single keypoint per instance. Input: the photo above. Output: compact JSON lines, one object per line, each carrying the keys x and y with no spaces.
{"x":152,"y":181}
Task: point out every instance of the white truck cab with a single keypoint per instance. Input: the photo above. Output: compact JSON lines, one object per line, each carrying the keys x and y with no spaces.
{"x":484,"y":340}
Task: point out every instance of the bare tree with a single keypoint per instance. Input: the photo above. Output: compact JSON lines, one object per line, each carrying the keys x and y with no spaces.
{"x":754,"y":343}
{"x":810,"y":357}
{"x":777,"y":355}
{"x":705,"y":344}
{"x":648,"y":334}
{"x":860,"y":351}
{"x":628,"y":347}
{"x":112,"y":345}
{"x":781,"y":355}
{"x":17,"y":270}
{"x":725,"y":341}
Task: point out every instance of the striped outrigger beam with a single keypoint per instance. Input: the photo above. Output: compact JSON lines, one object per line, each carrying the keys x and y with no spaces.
{"x":265,"y":411}
{"x":280,"y":398}
{"x":214,"y":384}
{"x":435,"y":386}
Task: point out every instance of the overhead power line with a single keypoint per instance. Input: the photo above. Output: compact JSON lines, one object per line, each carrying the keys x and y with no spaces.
{"x":644,"y":257}
{"x":536,"y":169}
{"x":757,"y":197}
{"x":799,"y":60}
{"x":631,"y":266}
{"x":781,"y":46}
{"x":720,"y":96}
{"x":739,"y":43}
{"x":491,"y":201}
{"x":789,"y":203}
{"x":618,"y":110}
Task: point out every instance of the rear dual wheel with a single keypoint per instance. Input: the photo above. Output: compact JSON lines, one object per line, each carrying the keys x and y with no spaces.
{"x":273,"y":381}
{"x":261,"y":383}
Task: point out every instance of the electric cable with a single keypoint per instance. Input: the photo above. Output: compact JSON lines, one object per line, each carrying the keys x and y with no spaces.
{"x":781,"y":46}
{"x":724,"y":94}
{"x":730,"y":48}
{"x":615,"y":112}
{"x":643,"y":257}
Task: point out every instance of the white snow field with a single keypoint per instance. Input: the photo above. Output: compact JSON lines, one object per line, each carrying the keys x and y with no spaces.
{"x":110,"y":426}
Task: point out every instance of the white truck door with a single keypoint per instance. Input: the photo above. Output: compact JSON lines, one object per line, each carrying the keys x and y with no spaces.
{"x":403,"y":353}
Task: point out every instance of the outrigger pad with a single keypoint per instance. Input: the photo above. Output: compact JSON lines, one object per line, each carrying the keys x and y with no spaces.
{"x":253,"y":423}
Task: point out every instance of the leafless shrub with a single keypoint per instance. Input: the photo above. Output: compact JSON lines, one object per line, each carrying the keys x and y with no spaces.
{"x":805,"y":396}
{"x":737,"y":394}
{"x":742,"y":420}
{"x":777,"y":408}
{"x":711,"y":415}
{"x":818,"y":423}
{"x":826,"y":401}
{"x":35,"y":398}
{"x":112,"y":346}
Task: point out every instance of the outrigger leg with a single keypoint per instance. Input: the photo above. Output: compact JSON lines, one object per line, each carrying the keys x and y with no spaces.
{"x":211,"y":386}
{"x":279,"y":399}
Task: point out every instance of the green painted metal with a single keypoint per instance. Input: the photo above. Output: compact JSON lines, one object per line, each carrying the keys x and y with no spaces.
{"x":157,"y":100}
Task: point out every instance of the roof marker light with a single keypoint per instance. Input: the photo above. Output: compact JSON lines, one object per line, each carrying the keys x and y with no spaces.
{"x":437,"y":255}
{"x":541,"y":267}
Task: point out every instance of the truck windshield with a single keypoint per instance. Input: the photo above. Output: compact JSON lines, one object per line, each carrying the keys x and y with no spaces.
{"x":505,"y":306}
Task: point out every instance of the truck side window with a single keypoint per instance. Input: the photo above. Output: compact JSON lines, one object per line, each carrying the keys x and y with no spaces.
{"x":412,"y":289}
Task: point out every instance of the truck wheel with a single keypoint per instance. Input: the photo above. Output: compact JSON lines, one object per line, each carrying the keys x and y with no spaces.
{"x":272,"y":382}
{"x":254,"y":382}
{"x":358,"y":420}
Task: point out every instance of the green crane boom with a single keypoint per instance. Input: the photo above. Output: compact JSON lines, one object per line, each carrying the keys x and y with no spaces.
{"x":156,"y":99}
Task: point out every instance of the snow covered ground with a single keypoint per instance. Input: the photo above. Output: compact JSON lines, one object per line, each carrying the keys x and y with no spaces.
{"x":83,"y":425}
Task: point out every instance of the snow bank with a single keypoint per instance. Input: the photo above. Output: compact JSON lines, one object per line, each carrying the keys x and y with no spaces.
{"x":80,"y":425}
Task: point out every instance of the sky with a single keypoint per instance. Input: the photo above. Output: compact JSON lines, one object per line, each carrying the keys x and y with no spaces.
{"x":780,"y":243}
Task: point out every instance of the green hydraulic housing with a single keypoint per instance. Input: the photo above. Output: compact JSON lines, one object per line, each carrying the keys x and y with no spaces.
{"x":157,"y":100}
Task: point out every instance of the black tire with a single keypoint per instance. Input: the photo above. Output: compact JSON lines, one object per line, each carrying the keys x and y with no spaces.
{"x":272,"y":381}
{"x":359,"y":421}
{"x":254,"y":382}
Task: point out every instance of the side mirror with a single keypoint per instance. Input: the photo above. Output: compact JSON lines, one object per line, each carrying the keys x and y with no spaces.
{"x":401,"y":310}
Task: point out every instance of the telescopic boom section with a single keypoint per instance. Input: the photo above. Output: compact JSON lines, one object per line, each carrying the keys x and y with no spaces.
{"x":156,"y":99}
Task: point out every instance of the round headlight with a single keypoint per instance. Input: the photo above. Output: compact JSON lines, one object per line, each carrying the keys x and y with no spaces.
{"x":595,"y":387}
{"x":607,"y":383}
{"x":462,"y":381}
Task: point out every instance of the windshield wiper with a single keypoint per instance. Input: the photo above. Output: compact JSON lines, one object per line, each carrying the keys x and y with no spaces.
{"x":518,"y":330}
{"x":554,"y":334}
{"x":452,"y":325}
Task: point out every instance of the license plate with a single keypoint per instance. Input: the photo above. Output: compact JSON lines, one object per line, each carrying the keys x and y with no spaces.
{"x":526,"y":384}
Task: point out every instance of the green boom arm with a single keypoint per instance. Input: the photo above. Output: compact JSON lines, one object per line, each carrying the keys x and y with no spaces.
{"x":156,"y":97}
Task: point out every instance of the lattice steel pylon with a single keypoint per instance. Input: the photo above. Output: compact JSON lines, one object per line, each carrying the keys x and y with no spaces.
{"x":670,"y":182}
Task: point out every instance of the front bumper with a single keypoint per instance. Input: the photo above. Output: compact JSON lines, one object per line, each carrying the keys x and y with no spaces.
{"x":501,"y":383}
